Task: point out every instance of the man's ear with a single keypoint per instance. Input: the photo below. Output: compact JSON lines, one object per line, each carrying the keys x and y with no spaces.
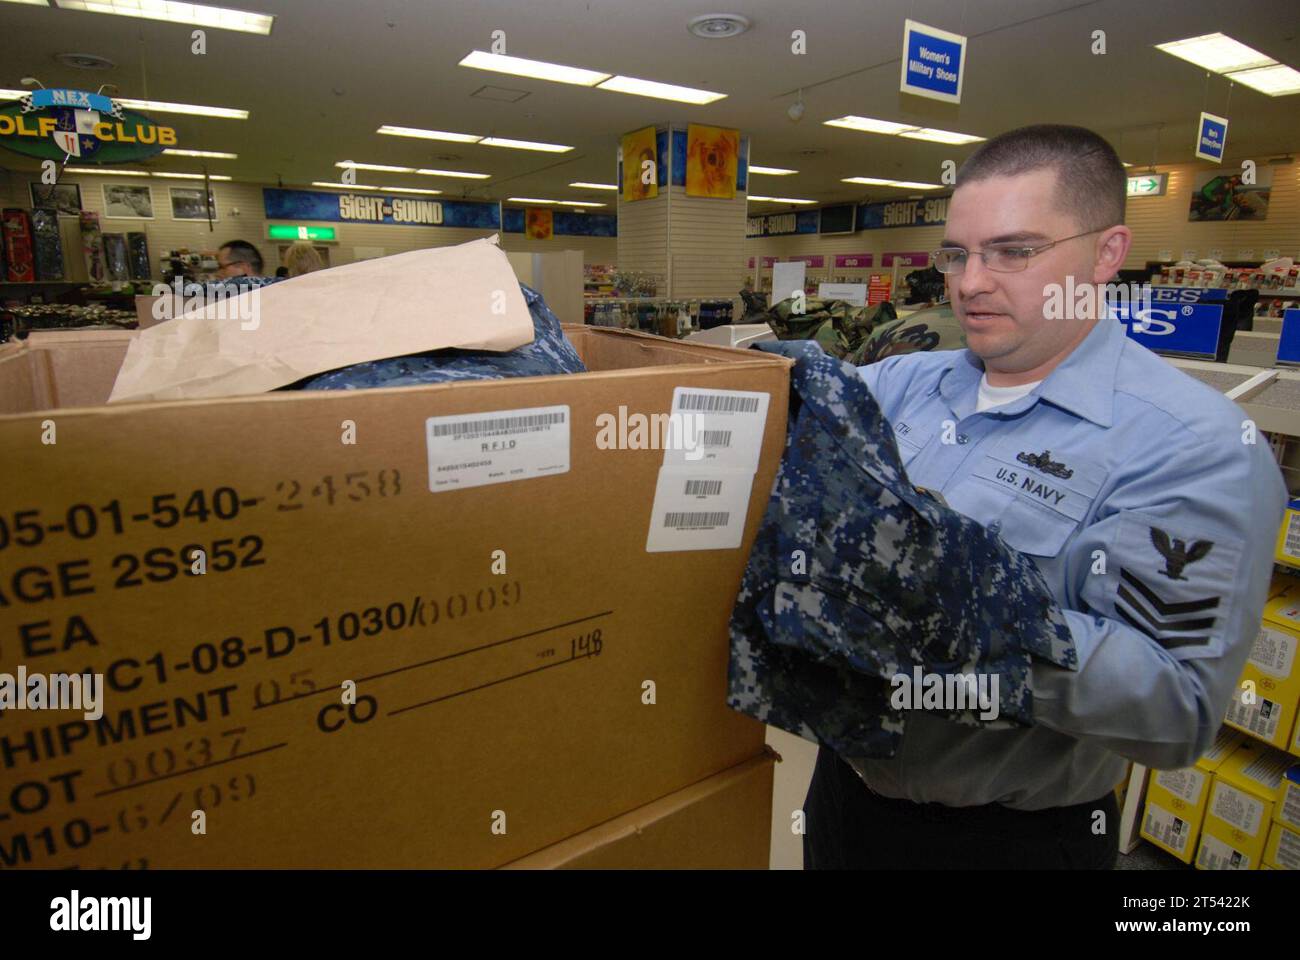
{"x":1112,"y":250}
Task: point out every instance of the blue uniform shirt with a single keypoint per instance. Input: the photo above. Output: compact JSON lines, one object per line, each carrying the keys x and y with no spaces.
{"x":1133,"y":488}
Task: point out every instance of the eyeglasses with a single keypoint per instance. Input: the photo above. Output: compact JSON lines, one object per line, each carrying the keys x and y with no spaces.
{"x":998,"y":257}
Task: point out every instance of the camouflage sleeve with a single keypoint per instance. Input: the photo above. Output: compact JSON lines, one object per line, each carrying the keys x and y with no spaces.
{"x":1166,"y":595}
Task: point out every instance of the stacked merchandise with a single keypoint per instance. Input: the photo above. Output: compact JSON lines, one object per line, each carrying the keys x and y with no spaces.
{"x":1266,"y":700}
{"x":115,"y":256}
{"x":19,"y":256}
{"x":1177,"y":799}
{"x":48,"y":245}
{"x":92,"y":246}
{"x":1244,"y":801}
{"x":138,"y":248}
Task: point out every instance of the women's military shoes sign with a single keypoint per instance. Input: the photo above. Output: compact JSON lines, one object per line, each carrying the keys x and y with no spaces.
{"x":54,"y":124}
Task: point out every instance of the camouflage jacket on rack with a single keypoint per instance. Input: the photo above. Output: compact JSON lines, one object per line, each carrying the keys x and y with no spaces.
{"x":856,"y":578}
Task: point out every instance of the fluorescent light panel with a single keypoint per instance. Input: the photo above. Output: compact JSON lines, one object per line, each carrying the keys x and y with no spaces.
{"x":1278,"y":80}
{"x":211,"y":154}
{"x":525,"y":145}
{"x":593,"y":186}
{"x":197,"y":14}
{"x":342,"y":186}
{"x":659,"y":91}
{"x":779,"y":200}
{"x":529,"y":200}
{"x":393,"y":131}
{"x":580,"y":203}
{"x":1216,"y":52}
{"x":190,"y":176}
{"x":912,"y":132}
{"x":453,"y":173}
{"x":193,"y":109}
{"x":771,"y":171}
{"x":373,"y":166}
{"x":409,"y":190}
{"x":903,"y":184}
{"x":537,"y":69}
{"x":111,"y":173}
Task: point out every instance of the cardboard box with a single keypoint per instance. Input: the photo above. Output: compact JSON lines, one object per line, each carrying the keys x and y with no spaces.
{"x":1246,"y":788}
{"x":1272,"y":674}
{"x":722,"y":823}
{"x":524,"y":667}
{"x":1176,"y":799}
{"x":1283,"y":849}
{"x":1287,"y":550}
{"x":1287,"y":810}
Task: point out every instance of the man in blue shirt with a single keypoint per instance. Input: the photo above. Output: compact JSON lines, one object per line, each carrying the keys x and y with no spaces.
{"x":1146,"y":499}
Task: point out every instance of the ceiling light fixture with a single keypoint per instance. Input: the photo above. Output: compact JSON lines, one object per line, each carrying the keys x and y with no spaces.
{"x":409,"y":190}
{"x":529,"y":200}
{"x":779,"y":200}
{"x":189,"y":176}
{"x":1216,"y":52}
{"x":771,"y":171}
{"x":109,"y":173}
{"x":536,"y":69}
{"x":197,"y":14}
{"x":1277,"y":80}
{"x":393,"y":131}
{"x":718,"y":26}
{"x":903,"y":184}
{"x":580,"y":203}
{"x":940,"y":136}
{"x":156,"y":106}
{"x":660,"y":91}
{"x":890,"y":128}
{"x":595,"y":186}
{"x":342,"y":186}
{"x":453,"y":173}
{"x":210,"y":154}
{"x":524,"y":145}
{"x":374,"y":166}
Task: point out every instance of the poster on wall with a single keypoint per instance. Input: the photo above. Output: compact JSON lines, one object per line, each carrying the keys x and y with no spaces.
{"x":1221,"y":195}
{"x":63,"y":197}
{"x":712,"y":158}
{"x":639,"y":147}
{"x":187,"y":204}
{"x":539,"y":223}
{"x":127,"y":201}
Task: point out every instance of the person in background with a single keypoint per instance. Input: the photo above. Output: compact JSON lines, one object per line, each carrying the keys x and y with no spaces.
{"x":301,"y":258}
{"x":238,"y":258}
{"x":281,"y":272}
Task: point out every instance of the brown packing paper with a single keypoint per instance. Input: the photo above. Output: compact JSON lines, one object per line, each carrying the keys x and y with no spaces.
{"x":464,"y":296}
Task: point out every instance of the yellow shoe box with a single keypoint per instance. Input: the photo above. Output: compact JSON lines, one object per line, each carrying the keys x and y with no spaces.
{"x":1176,"y":799}
{"x":1264,"y":702}
{"x":1287,"y":550}
{"x":1247,"y":786}
{"x":1287,"y":810}
{"x":1283,"y":849}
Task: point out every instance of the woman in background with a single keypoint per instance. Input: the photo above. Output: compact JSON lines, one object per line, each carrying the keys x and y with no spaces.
{"x":301,"y":258}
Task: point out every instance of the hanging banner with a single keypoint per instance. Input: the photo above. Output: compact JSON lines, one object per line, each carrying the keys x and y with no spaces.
{"x":53,"y":124}
{"x":281,"y":204}
{"x":903,"y":213}
{"x":638,"y":148}
{"x":538,"y":223}
{"x":712,"y":159}
{"x":781,"y":224}
{"x":934,"y":62}
{"x":1211,"y":137}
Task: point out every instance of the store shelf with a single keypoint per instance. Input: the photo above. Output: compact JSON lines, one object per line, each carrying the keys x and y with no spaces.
{"x":1275,"y":407}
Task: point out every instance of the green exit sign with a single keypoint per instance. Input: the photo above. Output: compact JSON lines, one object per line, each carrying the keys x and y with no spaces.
{"x":1148,"y":185}
{"x":292,"y":231}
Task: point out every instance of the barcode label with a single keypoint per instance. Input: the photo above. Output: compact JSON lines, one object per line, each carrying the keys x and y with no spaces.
{"x":692,"y":521}
{"x":703,"y":488}
{"x":1292,"y":546}
{"x":1260,"y":718}
{"x":499,"y":425}
{"x":472,"y":450}
{"x":718,"y":403}
{"x":715,"y":438}
{"x":1217,"y":855}
{"x":1162,"y":826}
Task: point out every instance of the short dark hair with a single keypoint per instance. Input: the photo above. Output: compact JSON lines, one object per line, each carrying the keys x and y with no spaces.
{"x":1091,"y":183}
{"x":241,"y":251}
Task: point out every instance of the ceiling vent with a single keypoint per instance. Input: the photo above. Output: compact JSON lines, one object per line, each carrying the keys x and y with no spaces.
{"x":501,"y":94}
{"x":84,"y":61}
{"x":718,"y":26}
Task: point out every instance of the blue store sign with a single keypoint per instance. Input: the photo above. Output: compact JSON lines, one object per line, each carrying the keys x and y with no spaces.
{"x":1185,"y":330}
{"x":934,"y":62}
{"x":1288,"y":345}
{"x":375,"y":208}
{"x":1211,"y":137}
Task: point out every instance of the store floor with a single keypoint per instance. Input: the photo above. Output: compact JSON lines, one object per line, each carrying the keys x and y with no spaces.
{"x":794,"y":773}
